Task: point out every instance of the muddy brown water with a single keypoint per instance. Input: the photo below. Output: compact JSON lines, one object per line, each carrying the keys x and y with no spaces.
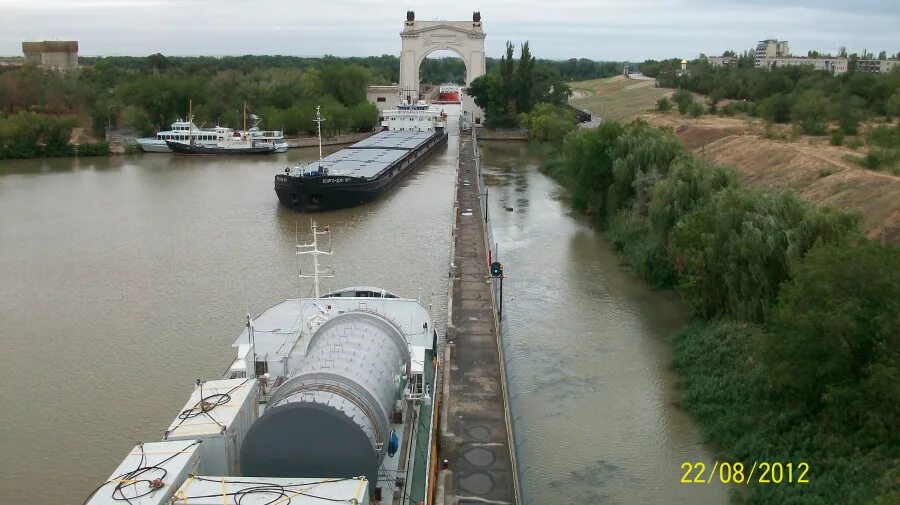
{"x":126,"y":278}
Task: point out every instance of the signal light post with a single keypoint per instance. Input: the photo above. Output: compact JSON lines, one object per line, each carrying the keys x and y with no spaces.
{"x":497,"y":273}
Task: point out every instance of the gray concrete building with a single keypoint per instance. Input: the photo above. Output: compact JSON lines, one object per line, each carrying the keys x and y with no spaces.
{"x":833,"y":65}
{"x":877,"y":66}
{"x":771,"y":53}
{"x":52,"y":54}
{"x":722,"y":61}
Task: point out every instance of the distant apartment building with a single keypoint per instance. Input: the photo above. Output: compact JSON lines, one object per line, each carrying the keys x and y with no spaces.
{"x":52,"y":54}
{"x":771,"y":48}
{"x":833,"y":65}
{"x":772,"y":53}
{"x":877,"y":66}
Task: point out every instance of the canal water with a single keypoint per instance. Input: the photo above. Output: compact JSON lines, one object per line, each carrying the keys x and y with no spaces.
{"x":592,"y":392}
{"x":124,"y":279}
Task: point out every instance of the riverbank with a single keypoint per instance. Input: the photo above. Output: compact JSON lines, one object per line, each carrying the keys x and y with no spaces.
{"x":765,"y":386}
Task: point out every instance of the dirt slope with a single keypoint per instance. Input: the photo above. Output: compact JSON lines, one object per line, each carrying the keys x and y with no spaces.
{"x":813,"y":169}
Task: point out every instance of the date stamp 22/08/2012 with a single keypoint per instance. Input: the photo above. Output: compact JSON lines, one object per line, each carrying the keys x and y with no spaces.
{"x":761,"y":472}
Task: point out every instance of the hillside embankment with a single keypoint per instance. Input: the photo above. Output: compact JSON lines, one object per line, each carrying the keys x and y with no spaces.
{"x":815,"y":170}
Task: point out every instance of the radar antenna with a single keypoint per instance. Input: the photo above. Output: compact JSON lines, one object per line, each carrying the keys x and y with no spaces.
{"x":319,"y":121}
{"x":313,"y":249}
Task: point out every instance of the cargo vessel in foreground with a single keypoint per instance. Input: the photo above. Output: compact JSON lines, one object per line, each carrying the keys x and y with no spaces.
{"x":329,"y":400}
{"x":365,"y":170}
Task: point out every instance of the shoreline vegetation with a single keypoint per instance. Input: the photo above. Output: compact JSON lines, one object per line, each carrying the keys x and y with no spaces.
{"x":793,"y":352}
{"x":141,"y":95}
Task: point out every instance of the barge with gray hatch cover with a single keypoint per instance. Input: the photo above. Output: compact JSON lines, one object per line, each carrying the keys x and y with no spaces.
{"x":365,"y":170}
{"x":331,"y":399}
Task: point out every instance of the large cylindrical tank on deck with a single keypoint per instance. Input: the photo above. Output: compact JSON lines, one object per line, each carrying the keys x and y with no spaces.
{"x":331,"y":417}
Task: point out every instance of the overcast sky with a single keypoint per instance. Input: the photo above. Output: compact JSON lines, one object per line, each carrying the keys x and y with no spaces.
{"x":600,"y":29}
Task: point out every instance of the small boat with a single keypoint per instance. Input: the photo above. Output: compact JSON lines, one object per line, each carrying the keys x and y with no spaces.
{"x":180,"y":131}
{"x":187,"y":138}
{"x":237,"y":143}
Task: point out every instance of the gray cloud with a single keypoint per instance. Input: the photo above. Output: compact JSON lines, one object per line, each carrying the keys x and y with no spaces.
{"x":610,"y":30}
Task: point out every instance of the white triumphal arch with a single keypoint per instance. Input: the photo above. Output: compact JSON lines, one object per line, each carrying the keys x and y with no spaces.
{"x":421,"y":38}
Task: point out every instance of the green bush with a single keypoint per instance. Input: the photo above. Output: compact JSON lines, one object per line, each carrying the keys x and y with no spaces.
{"x":879,"y":158}
{"x":751,"y":418}
{"x":837,"y":138}
{"x":884,"y":136}
{"x":849,"y":112}
{"x":810,"y":111}
{"x":776,"y":108}
{"x":663,"y":105}
{"x":696,"y":109}
{"x":629,"y":234}
{"x":892,"y":106}
{"x":549,"y":123}
{"x":683,"y":99}
{"x":95,"y":149}
{"x":30,"y":135}
{"x":833,"y":342}
{"x":733,"y":252}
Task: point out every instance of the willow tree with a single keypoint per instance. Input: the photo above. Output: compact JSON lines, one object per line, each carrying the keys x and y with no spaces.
{"x":834,"y":342}
{"x":733,"y":253}
{"x":689,"y":185}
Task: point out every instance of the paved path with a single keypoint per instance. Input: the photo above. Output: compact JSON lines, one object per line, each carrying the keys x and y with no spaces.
{"x":478,"y":443}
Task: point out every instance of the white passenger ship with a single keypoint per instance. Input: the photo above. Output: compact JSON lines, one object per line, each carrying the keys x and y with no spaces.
{"x":183,"y":131}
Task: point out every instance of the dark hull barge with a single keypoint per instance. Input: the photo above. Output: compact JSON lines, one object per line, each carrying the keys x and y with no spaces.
{"x":180,"y":148}
{"x":357,"y":174}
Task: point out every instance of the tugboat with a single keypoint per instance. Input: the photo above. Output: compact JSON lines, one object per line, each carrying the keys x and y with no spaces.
{"x":242,"y":142}
{"x":330,"y":399}
{"x":365,"y":170}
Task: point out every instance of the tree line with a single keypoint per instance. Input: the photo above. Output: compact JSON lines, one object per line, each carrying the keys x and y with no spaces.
{"x":145,"y":94}
{"x":451,"y":69}
{"x":515,"y":87}
{"x":772,"y":93}
{"x":794,"y":352}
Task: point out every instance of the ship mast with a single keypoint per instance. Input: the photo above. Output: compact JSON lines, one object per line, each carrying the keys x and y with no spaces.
{"x":190,"y":121}
{"x":319,"y":121}
{"x":245,"y":117}
{"x":313,"y":248}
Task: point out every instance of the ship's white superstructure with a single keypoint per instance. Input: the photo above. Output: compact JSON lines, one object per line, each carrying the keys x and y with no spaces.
{"x":181,"y":131}
{"x":185,"y":132}
{"x":413,"y":117}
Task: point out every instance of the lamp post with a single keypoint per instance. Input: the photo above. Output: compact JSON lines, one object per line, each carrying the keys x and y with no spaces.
{"x":108,"y":118}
